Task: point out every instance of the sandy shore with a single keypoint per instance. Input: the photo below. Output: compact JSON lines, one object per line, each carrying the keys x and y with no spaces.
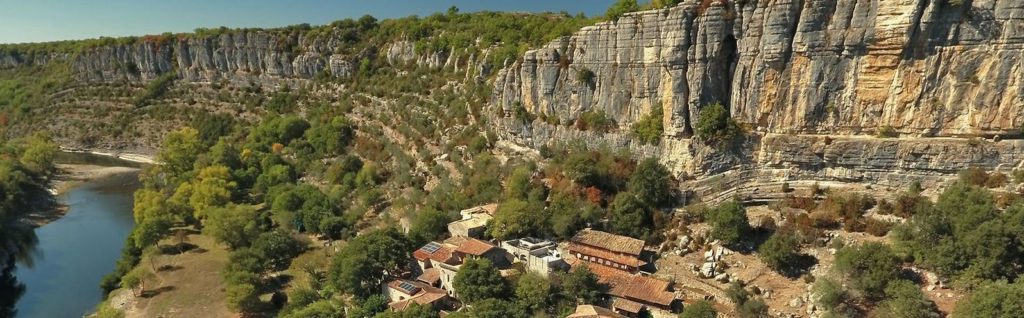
{"x":69,"y":177}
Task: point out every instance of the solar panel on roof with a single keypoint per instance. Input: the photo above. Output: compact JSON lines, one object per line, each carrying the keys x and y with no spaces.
{"x":407,"y":287}
{"x":431,"y":247}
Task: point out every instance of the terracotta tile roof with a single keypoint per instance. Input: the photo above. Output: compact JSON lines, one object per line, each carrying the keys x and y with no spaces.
{"x":627,"y":305}
{"x":442,"y":253}
{"x":430,"y":276}
{"x":608,"y":241}
{"x":474,"y":246}
{"x":605,"y":254}
{"x":425,"y":294}
{"x":591,"y":311}
{"x":643,"y":289}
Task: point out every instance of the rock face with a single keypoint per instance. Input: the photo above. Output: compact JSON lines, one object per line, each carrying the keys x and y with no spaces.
{"x":791,"y":66}
{"x":793,"y":71}
{"x":235,"y":57}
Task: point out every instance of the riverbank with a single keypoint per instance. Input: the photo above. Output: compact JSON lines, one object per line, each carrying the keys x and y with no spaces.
{"x":132,"y":157}
{"x":68,"y":177}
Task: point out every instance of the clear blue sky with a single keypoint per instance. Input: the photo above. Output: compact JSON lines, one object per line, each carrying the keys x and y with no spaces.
{"x":50,"y":20}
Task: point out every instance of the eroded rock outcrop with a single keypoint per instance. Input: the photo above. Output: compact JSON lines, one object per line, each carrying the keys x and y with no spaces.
{"x":793,"y":71}
{"x":791,"y":66}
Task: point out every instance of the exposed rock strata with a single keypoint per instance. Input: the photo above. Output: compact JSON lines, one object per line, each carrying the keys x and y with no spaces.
{"x":785,"y":67}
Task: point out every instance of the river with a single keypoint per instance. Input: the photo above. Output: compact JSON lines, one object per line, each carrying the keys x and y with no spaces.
{"x":75,"y":251}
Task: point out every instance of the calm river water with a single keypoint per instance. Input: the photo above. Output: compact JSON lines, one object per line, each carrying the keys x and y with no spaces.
{"x":76,"y":251}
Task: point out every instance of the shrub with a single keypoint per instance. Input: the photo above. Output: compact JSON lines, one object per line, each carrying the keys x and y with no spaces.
{"x":781,"y":251}
{"x":876,"y":227}
{"x":996,"y":180}
{"x":869,"y":268}
{"x":586,"y":76}
{"x":887,"y":132}
{"x":155,"y":89}
{"x":649,"y":128}
{"x":594,"y":120}
{"x":699,"y":309}
{"x":621,"y":7}
{"x":828,"y":294}
{"x":974,"y":176}
{"x":729,"y":222}
{"x":714,"y":124}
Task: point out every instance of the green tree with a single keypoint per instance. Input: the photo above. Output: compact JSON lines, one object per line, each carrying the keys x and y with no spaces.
{"x":630,"y":216}
{"x":828,"y":294}
{"x":428,"y":225}
{"x":413,"y":311}
{"x":39,"y":153}
{"x":212,"y":188}
{"x":318,"y":309}
{"x":331,"y":138}
{"x":651,"y":183}
{"x":781,"y":251}
{"x":361,"y":266}
{"x":904,"y":299}
{"x":151,"y":231}
{"x":520,"y":186}
{"x":180,"y":150}
{"x":478,"y":280}
{"x":650,"y":128}
{"x":277,"y":248}
{"x":518,"y":218}
{"x":714,"y":123}
{"x":869,"y":268}
{"x":621,"y":7}
{"x":729,"y":222}
{"x":242,"y":297}
{"x":532,"y":292}
{"x":997,"y":299}
{"x":234,"y":225}
{"x":581,"y":285}
{"x":661,"y":4}
{"x":569,"y":214}
{"x":699,"y":309}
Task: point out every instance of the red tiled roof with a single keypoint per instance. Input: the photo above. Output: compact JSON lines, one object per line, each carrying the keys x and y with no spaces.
{"x":627,"y":305}
{"x":430,"y":276}
{"x":638,"y":288}
{"x":425,"y":294}
{"x":605,"y":254}
{"x":443,"y":254}
{"x":474,"y":246}
{"x":608,"y":241}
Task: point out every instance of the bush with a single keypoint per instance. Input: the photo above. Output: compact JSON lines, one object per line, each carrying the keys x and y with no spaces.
{"x":974,"y":176}
{"x":781,"y":251}
{"x":887,"y":132}
{"x":155,"y":89}
{"x":621,"y":7}
{"x":699,"y":309}
{"x":586,"y":76}
{"x":715,"y":125}
{"x":729,"y":222}
{"x":904,"y":299}
{"x":649,"y":128}
{"x":594,"y":120}
{"x":869,"y":268}
{"x":828,"y":294}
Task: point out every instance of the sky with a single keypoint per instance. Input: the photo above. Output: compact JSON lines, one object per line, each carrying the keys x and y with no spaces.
{"x":53,"y":20}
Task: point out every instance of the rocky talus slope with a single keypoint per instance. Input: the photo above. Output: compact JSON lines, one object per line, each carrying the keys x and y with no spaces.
{"x":813,"y":81}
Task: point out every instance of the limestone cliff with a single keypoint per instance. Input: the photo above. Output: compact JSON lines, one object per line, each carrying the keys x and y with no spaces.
{"x":925,"y":68}
{"x":791,"y":66}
